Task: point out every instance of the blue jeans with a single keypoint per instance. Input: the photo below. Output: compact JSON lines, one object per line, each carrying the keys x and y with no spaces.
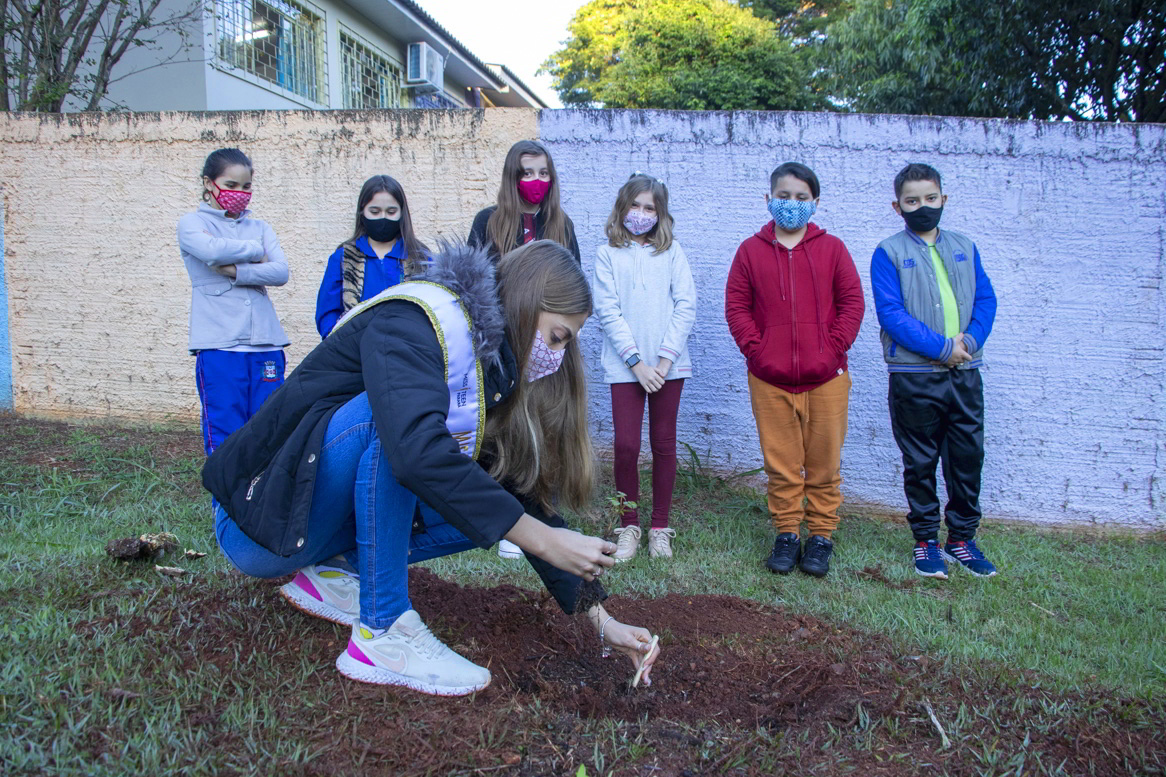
{"x":358,"y":510}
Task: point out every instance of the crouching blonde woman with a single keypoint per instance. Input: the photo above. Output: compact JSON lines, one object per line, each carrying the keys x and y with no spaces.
{"x":458,"y":393}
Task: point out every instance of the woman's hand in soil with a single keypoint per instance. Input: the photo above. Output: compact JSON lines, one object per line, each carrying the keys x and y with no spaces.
{"x":633,"y":641}
{"x":648,"y":377}
{"x":567,"y":550}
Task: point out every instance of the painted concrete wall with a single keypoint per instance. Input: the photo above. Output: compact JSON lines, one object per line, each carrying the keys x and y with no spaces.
{"x":5,"y":342}
{"x":99,"y":299}
{"x":1069,"y":218}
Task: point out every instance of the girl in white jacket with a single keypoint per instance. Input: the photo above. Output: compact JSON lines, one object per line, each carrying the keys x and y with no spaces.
{"x":646,"y":302}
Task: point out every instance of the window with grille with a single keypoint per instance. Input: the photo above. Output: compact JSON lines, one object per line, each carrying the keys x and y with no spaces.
{"x":368,"y":79}
{"x":280,"y":41}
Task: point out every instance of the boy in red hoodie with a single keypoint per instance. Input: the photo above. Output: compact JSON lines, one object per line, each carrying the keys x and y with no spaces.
{"x":794,"y":304}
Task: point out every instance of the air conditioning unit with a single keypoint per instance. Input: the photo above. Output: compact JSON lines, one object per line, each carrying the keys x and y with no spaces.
{"x":426,"y":69}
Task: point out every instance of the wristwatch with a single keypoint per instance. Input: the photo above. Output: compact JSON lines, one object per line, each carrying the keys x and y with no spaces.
{"x":632,"y":360}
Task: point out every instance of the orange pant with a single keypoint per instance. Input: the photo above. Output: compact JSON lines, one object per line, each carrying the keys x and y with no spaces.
{"x":801,"y":442}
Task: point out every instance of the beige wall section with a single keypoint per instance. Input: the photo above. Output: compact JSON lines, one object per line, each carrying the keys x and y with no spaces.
{"x":98,"y":296}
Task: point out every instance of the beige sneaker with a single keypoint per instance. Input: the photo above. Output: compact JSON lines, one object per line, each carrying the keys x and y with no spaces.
{"x":660,"y":542}
{"x":627,"y":544}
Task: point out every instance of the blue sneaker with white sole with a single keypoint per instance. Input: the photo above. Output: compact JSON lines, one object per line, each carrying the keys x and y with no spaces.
{"x":929,"y":559}
{"x":967,"y":555}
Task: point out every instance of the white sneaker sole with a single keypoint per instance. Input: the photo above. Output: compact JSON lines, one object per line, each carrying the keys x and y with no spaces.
{"x":305,"y":602}
{"x":509,"y":554}
{"x":362,"y":672}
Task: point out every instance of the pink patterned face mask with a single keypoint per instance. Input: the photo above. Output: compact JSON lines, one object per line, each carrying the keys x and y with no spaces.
{"x":230,"y":200}
{"x":543,"y":361}
{"x":638,"y":223}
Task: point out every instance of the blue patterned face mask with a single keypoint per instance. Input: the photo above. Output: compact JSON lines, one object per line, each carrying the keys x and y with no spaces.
{"x":792,"y":214}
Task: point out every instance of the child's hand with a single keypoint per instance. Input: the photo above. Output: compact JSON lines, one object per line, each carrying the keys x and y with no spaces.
{"x":648,"y":377}
{"x":663,"y":367}
{"x":959,"y":353}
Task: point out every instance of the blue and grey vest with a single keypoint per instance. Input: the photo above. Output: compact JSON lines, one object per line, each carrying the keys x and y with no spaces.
{"x":920,"y":289}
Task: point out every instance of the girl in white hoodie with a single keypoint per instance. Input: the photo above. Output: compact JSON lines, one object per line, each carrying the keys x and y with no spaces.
{"x":646,"y":302}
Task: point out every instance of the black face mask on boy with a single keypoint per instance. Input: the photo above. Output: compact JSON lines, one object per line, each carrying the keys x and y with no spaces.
{"x":381,"y":230}
{"x":923,"y":218}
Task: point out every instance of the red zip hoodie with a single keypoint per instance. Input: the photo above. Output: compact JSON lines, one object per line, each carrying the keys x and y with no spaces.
{"x":794,"y":312}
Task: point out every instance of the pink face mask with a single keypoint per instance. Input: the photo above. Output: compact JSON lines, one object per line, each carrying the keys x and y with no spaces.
{"x":230,"y":200}
{"x":543,"y":361}
{"x":638,"y":223}
{"x":533,"y":191}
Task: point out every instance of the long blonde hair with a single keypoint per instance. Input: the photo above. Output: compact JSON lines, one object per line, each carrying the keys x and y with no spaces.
{"x":660,"y":235}
{"x":537,"y":440}
{"x":502,"y":228}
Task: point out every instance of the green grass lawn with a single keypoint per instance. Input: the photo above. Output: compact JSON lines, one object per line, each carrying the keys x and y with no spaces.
{"x":1071,"y":611}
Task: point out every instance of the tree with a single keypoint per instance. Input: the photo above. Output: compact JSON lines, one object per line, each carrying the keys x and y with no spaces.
{"x":56,"y":49}
{"x":677,"y":54}
{"x":803,"y":20}
{"x":1026,"y":59}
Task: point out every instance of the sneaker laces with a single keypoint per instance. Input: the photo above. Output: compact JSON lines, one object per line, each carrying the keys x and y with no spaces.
{"x":629,"y":538}
{"x":426,"y":642}
{"x":816,"y":551}
{"x":660,"y":539}
{"x":928,"y":551}
{"x":969,"y":547}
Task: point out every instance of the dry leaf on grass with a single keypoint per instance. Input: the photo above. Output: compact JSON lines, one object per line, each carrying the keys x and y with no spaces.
{"x":193,"y":553}
{"x":170,"y":571}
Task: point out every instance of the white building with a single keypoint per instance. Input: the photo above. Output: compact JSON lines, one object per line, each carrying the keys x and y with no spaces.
{"x":294,"y":54}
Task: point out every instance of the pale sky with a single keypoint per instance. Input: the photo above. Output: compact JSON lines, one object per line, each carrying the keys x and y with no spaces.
{"x":520,"y":34}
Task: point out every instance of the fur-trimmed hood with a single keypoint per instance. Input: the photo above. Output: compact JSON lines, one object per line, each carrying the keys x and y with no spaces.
{"x":469,"y":273}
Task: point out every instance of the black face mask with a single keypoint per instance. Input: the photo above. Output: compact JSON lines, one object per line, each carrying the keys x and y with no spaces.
{"x":923,"y":218}
{"x":381,"y":230}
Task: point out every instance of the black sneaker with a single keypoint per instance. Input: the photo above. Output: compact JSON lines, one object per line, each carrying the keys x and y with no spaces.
{"x":816,"y":559}
{"x":787,"y":549}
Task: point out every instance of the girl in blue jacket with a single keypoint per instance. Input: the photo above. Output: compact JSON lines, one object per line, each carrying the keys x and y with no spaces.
{"x":382,"y":252}
{"x":235,"y":333}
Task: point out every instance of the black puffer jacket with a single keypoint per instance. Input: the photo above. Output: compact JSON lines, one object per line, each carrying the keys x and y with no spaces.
{"x":264,"y":474}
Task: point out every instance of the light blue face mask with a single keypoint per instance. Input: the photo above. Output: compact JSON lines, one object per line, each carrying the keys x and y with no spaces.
{"x":792,"y":214}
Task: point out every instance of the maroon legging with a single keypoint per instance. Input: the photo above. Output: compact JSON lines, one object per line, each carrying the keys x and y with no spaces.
{"x":627,"y":415}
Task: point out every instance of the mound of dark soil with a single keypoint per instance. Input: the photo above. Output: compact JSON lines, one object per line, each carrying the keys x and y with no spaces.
{"x":739,"y":688}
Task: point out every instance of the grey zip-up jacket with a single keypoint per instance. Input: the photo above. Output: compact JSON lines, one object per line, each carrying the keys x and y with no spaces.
{"x":646,"y":303}
{"x":225,"y":313}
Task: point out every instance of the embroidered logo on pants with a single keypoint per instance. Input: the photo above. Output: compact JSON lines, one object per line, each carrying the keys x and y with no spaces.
{"x":269,"y":371}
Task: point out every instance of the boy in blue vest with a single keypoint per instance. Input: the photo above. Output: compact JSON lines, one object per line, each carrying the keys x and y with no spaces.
{"x":935,"y":306}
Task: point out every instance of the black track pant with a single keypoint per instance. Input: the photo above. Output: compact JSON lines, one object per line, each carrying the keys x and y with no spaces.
{"x":939,"y":416}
